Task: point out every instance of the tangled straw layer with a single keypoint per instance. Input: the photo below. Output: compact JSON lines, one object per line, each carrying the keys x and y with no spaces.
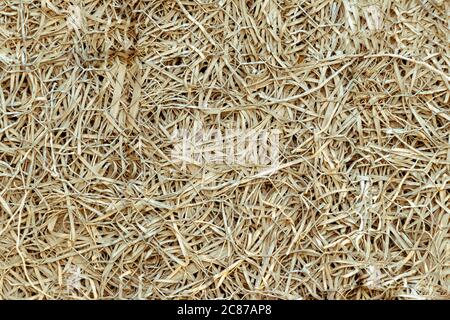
{"x":92,"y":205}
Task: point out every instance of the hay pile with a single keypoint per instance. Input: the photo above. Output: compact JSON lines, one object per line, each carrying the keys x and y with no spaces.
{"x":93,"y":204}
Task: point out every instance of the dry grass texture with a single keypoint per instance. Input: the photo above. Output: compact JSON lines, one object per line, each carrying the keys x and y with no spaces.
{"x":93,"y":206}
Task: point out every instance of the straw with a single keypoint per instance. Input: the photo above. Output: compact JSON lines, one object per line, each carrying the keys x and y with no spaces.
{"x":95,"y":95}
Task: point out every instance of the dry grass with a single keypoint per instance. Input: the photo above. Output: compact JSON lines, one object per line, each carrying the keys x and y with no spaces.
{"x":93,"y":206}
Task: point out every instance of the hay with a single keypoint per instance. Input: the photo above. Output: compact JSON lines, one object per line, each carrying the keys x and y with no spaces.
{"x":94,"y":205}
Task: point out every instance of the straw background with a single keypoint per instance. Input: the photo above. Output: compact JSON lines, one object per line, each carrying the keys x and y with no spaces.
{"x":93,"y":207}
